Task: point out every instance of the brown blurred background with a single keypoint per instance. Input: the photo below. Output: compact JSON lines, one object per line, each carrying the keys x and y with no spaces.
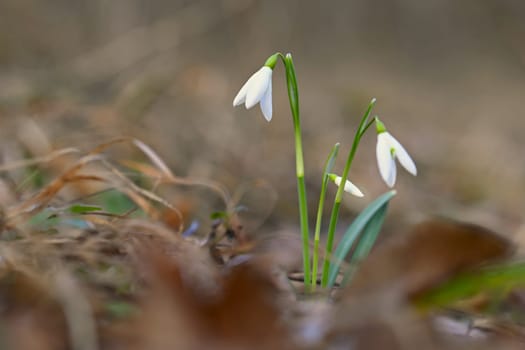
{"x":449,"y":77}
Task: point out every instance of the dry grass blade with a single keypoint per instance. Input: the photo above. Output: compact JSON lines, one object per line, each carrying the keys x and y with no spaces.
{"x":47,"y":193}
{"x":167,"y":175}
{"x":162,"y":173}
{"x":104,"y":146}
{"x":176,"y":180}
{"x":142,"y":192}
{"x":38,"y":160}
{"x":153,"y":157}
{"x":121,"y":182}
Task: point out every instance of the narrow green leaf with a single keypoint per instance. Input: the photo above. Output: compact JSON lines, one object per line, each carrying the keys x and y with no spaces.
{"x":366,"y":241}
{"x":219,"y":215}
{"x":83,"y":208}
{"x":353,"y":231}
{"x":500,"y":278}
{"x":121,"y":309}
{"x":339,"y":195}
{"x":331,"y":159}
{"x":291,"y":83}
{"x":363,"y":124}
{"x":329,"y":165}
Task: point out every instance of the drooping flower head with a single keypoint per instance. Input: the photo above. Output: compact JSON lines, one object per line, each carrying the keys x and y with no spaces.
{"x":349,"y":187}
{"x":388,"y":149}
{"x":258,"y":89}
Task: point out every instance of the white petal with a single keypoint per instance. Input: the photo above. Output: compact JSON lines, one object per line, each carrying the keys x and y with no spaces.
{"x":352,"y":189}
{"x":391,"y":180}
{"x":241,"y":95}
{"x":403,"y":156}
{"x":349,"y":187}
{"x":266,"y":103}
{"x":258,"y":86}
{"x":385,"y":161}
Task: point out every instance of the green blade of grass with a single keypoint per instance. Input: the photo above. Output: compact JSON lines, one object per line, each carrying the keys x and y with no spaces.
{"x":500,"y":278}
{"x":353,"y":231}
{"x":83,"y":208}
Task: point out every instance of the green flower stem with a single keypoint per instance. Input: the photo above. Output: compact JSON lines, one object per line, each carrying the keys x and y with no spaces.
{"x":317,"y":233}
{"x":363,"y":126}
{"x":293,"y":96}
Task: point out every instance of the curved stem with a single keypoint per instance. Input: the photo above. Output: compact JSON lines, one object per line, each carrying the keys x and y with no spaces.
{"x":363,"y":126}
{"x":293,"y":96}
{"x":317,"y":233}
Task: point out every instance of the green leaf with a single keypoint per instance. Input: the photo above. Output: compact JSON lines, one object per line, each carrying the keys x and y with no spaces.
{"x":360,"y":224}
{"x":498,"y":279}
{"x":219,"y":215}
{"x":363,"y":124}
{"x":366,"y":242}
{"x":291,"y":84}
{"x":44,"y":220}
{"x":339,"y":195}
{"x":121,"y":309}
{"x":114,"y":202}
{"x":83,"y":208}
{"x":330,"y":161}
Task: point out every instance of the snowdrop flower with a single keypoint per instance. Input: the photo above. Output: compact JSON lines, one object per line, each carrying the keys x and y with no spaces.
{"x":349,"y":187}
{"x":387,"y":150}
{"x":258,"y":89}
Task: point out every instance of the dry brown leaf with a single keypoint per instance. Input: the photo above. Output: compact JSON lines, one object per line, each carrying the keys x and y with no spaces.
{"x":241,"y":313}
{"x":400,"y":269}
{"x":429,"y":254}
{"x":30,"y":318}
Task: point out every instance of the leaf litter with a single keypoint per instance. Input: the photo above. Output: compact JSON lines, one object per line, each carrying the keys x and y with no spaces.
{"x":77,"y":273}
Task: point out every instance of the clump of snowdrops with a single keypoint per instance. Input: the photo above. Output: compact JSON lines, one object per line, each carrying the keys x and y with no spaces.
{"x":365,"y":228}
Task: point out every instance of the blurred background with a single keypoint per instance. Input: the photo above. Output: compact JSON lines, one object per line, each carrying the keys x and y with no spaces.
{"x":449,"y":77}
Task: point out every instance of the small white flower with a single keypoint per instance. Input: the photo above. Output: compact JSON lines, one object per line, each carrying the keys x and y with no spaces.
{"x":349,"y":187}
{"x":387,"y":150}
{"x":258,"y":89}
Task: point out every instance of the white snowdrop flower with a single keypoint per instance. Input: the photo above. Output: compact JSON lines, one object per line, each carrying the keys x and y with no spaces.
{"x":349,"y":187}
{"x":258,"y":89}
{"x":387,"y":150}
